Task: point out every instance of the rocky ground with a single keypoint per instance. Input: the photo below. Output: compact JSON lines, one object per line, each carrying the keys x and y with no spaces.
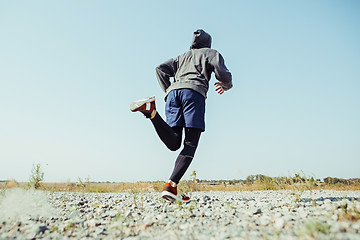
{"x":211,"y":215}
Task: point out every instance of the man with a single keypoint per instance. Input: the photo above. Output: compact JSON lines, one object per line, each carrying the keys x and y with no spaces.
{"x":185,"y":103}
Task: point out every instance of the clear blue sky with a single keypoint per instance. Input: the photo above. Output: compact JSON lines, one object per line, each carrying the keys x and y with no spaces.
{"x":70,"y":69}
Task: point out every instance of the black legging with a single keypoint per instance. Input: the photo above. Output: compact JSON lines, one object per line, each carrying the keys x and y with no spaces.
{"x":171,"y":137}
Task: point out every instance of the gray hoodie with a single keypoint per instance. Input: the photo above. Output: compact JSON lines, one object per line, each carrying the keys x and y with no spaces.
{"x":193,"y":69}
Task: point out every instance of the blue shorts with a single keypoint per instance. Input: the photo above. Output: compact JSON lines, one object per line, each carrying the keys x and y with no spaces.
{"x":185,"y":108}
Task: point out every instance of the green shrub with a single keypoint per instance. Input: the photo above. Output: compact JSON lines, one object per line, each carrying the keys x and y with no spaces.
{"x":36,"y":177}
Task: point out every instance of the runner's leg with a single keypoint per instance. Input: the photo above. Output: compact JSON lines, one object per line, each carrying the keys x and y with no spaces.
{"x":183,"y":161}
{"x":170,"y":136}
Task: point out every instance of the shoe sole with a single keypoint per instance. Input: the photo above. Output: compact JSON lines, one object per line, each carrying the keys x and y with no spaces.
{"x":184,"y":200}
{"x":135,"y":106}
{"x":172,"y":198}
{"x":169,"y":196}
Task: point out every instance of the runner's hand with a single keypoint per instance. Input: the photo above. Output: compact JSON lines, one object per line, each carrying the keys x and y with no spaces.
{"x":219,"y":88}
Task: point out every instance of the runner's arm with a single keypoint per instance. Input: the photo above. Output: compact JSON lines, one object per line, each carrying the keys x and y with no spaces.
{"x":164,"y":72}
{"x":221,"y":73}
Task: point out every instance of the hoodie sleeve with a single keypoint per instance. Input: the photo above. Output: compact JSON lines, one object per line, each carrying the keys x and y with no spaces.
{"x":165,"y":71}
{"x":221,"y":72}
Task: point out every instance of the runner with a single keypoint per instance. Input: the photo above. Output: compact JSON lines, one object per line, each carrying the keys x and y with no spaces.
{"x":185,"y":103}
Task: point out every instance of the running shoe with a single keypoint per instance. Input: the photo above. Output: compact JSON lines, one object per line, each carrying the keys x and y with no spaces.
{"x":146,"y":106}
{"x":170,"y":193}
{"x":183,"y":198}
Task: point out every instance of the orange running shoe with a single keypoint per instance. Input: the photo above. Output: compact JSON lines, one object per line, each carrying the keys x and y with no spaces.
{"x":170,"y":193}
{"x":183,"y":198}
{"x":146,"y":106}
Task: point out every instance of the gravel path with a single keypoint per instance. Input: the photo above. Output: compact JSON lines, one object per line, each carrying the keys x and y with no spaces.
{"x":211,"y":215}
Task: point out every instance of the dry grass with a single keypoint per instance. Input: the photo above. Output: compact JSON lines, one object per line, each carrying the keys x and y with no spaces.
{"x":90,"y":186}
{"x":184,"y":186}
{"x":11,"y":184}
{"x":261,"y":187}
{"x":339,"y":187}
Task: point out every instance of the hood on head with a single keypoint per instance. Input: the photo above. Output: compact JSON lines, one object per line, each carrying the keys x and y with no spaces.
{"x":201,"y":39}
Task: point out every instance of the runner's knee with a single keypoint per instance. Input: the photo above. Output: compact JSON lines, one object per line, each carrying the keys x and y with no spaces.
{"x":174,"y":147}
{"x":189,"y":149}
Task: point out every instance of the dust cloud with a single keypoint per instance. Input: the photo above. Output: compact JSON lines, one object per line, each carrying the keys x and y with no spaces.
{"x":18,"y":203}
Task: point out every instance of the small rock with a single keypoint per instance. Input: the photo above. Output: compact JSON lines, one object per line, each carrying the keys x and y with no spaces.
{"x":159,"y":217}
{"x":258,"y":211}
{"x":264,"y":220}
{"x":74,"y":214}
{"x":206,"y":198}
{"x":41,"y":229}
{"x":356,"y":226}
{"x":344,"y":226}
{"x":91,"y":223}
{"x":335,"y":228}
{"x":128,"y":213}
{"x":279,"y":223}
{"x":99,"y":231}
